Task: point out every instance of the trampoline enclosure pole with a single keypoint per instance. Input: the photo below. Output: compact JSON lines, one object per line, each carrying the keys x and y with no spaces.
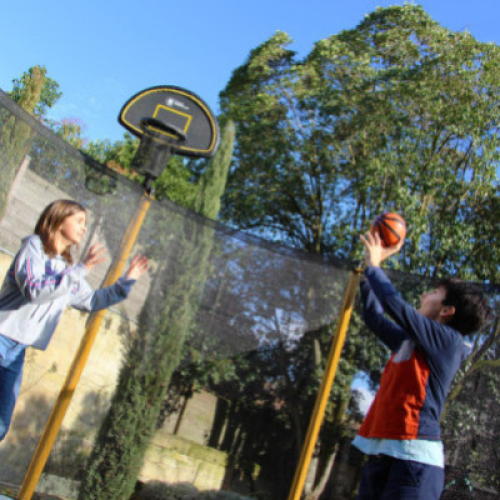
{"x":325,"y":388}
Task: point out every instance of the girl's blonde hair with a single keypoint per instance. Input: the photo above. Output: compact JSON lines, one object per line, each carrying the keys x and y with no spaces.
{"x":49,"y":222}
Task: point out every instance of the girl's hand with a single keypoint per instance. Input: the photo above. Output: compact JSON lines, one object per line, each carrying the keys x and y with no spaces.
{"x":94,"y":256}
{"x":375,"y":253}
{"x":138,"y":266}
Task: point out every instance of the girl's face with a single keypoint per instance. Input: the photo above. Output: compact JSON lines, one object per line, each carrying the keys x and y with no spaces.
{"x":73,"y":228}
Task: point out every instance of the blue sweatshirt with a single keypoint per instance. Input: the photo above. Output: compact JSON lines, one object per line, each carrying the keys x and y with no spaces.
{"x":37,"y":289}
{"x":417,"y":377}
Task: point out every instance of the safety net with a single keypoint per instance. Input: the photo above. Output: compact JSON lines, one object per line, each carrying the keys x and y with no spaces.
{"x":239,"y":328}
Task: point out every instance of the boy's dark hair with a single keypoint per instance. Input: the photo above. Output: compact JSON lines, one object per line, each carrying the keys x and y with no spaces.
{"x":471,"y":307}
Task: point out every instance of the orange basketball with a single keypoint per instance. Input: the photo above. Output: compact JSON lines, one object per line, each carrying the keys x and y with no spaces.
{"x":391,"y":227}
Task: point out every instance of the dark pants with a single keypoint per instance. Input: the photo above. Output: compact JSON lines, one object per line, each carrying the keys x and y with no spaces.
{"x":11,"y":373}
{"x":387,"y":478}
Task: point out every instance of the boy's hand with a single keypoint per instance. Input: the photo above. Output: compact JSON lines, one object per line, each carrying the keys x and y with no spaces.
{"x":375,"y":253}
{"x":138,"y":266}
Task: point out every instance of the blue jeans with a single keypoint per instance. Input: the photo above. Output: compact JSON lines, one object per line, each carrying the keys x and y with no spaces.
{"x":388,"y":478}
{"x":11,"y":373}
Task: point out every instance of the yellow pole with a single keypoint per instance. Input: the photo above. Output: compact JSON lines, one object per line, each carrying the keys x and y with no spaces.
{"x":58,"y":412}
{"x":325,"y":388}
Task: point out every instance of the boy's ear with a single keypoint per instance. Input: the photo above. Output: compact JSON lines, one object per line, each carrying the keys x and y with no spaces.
{"x":447,"y":312}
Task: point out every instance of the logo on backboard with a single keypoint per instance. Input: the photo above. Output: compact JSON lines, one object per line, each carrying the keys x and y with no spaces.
{"x":175,"y":103}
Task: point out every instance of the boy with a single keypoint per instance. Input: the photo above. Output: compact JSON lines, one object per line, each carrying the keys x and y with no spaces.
{"x":401,"y":432}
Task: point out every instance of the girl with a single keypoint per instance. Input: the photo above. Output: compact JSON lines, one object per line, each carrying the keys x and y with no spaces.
{"x":40,"y":283}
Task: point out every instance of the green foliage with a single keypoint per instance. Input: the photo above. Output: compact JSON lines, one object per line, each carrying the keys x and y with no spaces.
{"x":471,"y":422}
{"x":175,"y":183}
{"x":154,"y":490}
{"x":180,"y":180}
{"x":35,"y":91}
{"x":212,"y":183}
{"x":398,"y":114}
{"x":121,"y":152}
{"x":118,"y":155}
{"x":151,"y":356}
{"x":71,"y":130}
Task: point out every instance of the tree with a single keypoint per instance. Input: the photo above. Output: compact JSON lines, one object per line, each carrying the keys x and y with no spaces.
{"x":118,"y":155}
{"x":156,"y":350}
{"x":212,"y":184}
{"x":70,"y":130}
{"x":35,"y":93}
{"x":177,"y":181}
{"x":398,"y":114}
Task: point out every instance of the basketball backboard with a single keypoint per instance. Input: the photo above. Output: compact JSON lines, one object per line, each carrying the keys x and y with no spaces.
{"x":175,"y":116}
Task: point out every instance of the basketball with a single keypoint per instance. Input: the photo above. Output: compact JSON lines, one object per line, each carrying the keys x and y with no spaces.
{"x":391,"y":227}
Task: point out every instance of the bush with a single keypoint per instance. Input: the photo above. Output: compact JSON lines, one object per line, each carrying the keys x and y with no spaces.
{"x":217,"y":495}
{"x":155,"y":490}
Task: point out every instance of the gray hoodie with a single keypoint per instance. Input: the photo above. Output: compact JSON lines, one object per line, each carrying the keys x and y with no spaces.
{"x":37,"y":289}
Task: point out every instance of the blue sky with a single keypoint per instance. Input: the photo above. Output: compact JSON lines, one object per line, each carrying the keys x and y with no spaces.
{"x":103,"y":52}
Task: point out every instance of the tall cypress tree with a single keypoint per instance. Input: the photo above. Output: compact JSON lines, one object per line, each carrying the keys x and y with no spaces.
{"x":213,"y":181}
{"x":155,"y":351}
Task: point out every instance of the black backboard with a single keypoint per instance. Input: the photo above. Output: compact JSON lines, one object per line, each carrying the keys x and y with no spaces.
{"x":178,"y":109}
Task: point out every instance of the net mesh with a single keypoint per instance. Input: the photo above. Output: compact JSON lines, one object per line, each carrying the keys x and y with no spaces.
{"x":251,"y":319}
